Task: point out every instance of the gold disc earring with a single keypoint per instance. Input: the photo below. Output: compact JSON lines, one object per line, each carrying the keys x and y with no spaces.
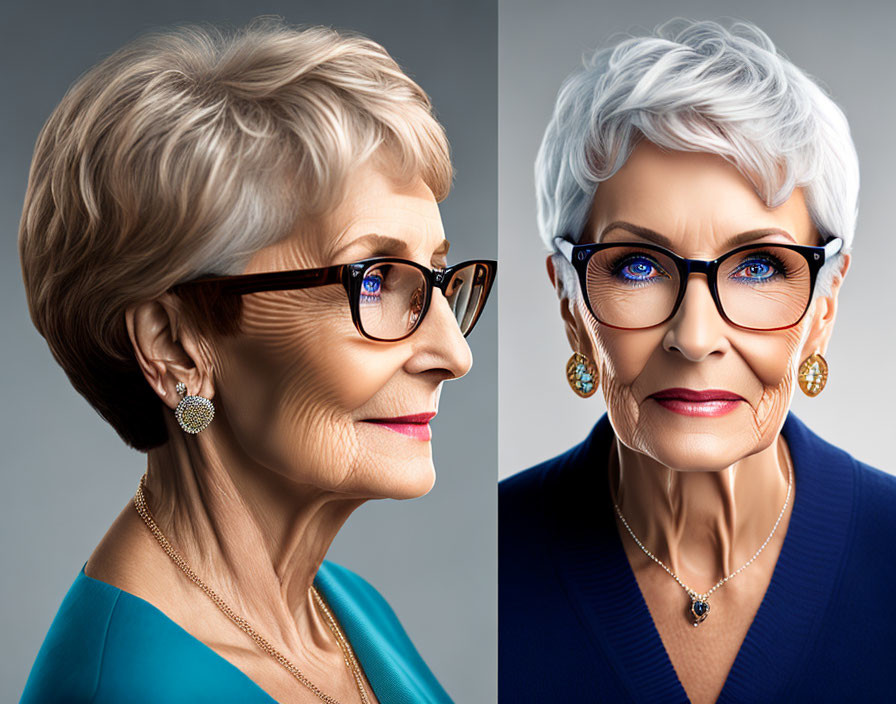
{"x":582,"y":376}
{"x":813,"y":374}
{"x":193,"y":413}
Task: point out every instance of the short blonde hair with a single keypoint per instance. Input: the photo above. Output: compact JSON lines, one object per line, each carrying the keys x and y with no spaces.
{"x":184,"y":153}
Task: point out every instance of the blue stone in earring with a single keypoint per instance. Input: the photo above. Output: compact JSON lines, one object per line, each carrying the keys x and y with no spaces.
{"x":582,"y":375}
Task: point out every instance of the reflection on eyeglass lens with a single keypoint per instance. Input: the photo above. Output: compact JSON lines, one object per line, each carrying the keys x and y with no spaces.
{"x":370,"y":288}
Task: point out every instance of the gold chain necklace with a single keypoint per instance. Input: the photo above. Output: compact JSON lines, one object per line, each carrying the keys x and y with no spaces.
{"x":700,"y":602}
{"x":347,"y":653}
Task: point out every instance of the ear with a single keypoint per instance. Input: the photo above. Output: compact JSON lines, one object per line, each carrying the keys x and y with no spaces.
{"x":168,"y":351}
{"x":824,"y":311}
{"x":567,"y":295}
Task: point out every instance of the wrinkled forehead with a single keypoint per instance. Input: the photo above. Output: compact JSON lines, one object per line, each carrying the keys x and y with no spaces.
{"x":699,"y":204}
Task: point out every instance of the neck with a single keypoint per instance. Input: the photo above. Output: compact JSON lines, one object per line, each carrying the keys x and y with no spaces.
{"x":252,"y":535}
{"x":703,"y":525}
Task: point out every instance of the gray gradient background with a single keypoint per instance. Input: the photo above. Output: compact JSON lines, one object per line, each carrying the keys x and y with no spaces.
{"x":66,"y":474}
{"x":848,"y":45}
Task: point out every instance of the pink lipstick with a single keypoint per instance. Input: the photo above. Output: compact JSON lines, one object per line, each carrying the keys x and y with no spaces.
{"x":414,"y":426}
{"x":688,"y":402}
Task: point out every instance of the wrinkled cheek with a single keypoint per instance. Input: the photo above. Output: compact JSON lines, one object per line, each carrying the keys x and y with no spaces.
{"x":289,"y":388}
{"x":620,"y":356}
{"x":774,"y":359}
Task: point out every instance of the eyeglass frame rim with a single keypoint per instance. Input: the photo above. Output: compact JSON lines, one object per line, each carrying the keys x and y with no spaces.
{"x":349,"y":275}
{"x":816,"y":257}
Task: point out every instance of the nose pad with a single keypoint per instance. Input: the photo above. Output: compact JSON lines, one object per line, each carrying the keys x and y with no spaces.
{"x":697,"y":328}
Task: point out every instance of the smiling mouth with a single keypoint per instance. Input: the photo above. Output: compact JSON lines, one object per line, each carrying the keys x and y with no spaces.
{"x":689,"y":402}
{"x":414,"y":426}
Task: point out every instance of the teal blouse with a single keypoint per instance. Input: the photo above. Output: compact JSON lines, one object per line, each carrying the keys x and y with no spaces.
{"x":107,"y":646}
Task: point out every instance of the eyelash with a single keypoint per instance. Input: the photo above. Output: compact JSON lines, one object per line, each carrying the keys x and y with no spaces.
{"x":766,"y":258}
{"x":629,"y":259}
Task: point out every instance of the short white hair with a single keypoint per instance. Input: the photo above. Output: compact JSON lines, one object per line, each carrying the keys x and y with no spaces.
{"x":697,"y":86}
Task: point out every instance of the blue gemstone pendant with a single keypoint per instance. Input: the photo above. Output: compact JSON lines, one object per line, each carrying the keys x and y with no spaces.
{"x":699,"y":610}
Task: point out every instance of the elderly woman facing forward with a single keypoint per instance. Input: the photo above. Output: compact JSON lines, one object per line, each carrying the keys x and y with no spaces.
{"x":233,"y":247}
{"x":699,"y":195}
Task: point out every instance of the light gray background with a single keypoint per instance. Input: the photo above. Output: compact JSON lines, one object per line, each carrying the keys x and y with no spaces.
{"x":66,"y":474}
{"x":848,"y":45}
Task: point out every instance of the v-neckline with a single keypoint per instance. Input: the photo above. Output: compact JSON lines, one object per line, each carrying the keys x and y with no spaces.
{"x":208,"y":651}
{"x":599,"y":580}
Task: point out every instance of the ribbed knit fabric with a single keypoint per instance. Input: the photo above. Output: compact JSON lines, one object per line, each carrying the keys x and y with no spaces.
{"x":107,"y":646}
{"x":574,"y":626}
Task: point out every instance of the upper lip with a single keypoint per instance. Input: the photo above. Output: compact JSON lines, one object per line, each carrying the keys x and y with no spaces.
{"x":413,"y":418}
{"x":694,"y":395}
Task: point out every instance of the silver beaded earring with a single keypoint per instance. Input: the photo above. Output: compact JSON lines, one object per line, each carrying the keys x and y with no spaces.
{"x":193,"y":413}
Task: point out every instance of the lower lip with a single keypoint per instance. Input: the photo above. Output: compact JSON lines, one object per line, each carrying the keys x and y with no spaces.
{"x":717,"y":407}
{"x":418,"y":431}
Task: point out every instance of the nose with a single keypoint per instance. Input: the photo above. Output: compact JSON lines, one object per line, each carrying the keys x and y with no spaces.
{"x":438,"y":342}
{"x":697,"y":329}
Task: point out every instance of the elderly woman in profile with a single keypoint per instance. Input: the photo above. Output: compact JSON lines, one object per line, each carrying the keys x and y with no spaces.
{"x":233,"y":247}
{"x":698,"y":193}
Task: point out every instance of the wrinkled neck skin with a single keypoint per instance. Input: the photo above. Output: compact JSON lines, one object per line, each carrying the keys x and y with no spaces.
{"x":703,"y":525}
{"x":253,"y":536}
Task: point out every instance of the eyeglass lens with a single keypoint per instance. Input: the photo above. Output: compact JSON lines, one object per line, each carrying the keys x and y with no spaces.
{"x":466,"y":295}
{"x":393,"y":296}
{"x":763,"y":288}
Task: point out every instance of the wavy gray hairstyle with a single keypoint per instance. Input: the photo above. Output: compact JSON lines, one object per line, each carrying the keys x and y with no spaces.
{"x":697,"y":86}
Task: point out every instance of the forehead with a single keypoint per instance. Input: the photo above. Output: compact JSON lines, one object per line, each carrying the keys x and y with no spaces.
{"x":379,"y":215}
{"x":378,"y":203}
{"x":697,"y":200}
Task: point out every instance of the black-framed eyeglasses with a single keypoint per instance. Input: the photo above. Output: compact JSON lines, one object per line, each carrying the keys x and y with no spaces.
{"x":762,"y":287}
{"x":388,"y":296}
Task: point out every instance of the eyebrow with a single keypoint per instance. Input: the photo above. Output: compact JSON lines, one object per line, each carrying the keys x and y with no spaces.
{"x":663,"y":241}
{"x":383,"y":245}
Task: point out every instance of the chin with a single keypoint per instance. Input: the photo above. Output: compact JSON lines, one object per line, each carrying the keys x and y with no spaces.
{"x":394,"y":466}
{"x":690,"y":443}
{"x":696,"y":451}
{"x":408,"y":481}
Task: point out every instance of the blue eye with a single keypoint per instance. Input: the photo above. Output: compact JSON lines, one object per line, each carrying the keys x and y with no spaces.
{"x":639,"y":268}
{"x":370,"y":288}
{"x":757,"y":270}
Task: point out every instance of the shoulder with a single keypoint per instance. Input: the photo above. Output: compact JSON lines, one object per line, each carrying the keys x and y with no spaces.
{"x":873,"y":490}
{"x":525,"y":486}
{"x":875,"y":501}
{"x":879,"y":485}
{"x":559,"y":482}
{"x":362,"y":611}
{"x":103,"y":640}
{"x":388,"y":656}
{"x":67,"y":667}
{"x":352,"y":593}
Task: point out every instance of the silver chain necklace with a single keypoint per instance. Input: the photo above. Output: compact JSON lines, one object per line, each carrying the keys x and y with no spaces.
{"x":700,"y":602}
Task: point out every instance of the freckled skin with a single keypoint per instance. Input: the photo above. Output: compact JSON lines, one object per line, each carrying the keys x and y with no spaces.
{"x":702,"y":493}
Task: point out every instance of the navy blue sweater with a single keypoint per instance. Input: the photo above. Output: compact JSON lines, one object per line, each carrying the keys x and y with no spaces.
{"x":574,"y":626}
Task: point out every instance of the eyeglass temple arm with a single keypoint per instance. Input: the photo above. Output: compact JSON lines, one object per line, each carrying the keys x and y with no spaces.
{"x":270,"y":281}
{"x":564,"y":246}
{"x":832,"y":247}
